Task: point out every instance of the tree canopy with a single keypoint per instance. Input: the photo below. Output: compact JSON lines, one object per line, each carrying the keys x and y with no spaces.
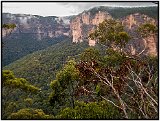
{"x":29,"y":113}
{"x":8,"y":79}
{"x":111,"y":33}
{"x":9,"y":26}
{"x":64,"y":85}
{"x":147,"y":29}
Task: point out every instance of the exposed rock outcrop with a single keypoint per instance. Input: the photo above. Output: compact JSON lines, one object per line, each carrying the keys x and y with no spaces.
{"x":134,"y":20}
{"x":41,"y":27}
{"x":84,"y":23}
{"x":100,"y":17}
{"x":138,"y":44}
{"x":80,"y":26}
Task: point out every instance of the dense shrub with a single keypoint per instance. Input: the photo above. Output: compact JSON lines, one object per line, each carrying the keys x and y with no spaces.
{"x":91,"y":110}
{"x":30,"y":114}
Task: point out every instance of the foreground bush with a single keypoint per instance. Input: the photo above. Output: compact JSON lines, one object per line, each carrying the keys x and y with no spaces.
{"x":29,"y":113}
{"x":91,"y":110}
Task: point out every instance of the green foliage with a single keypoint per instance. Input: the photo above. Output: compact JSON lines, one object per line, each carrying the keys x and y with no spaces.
{"x":98,"y":89}
{"x":40,"y":68}
{"x":28,"y":101}
{"x":8,"y":26}
{"x":64,"y":85}
{"x":7,"y":74}
{"x":31,"y":114}
{"x":27,"y":44}
{"x":27,"y":38}
{"x":124,"y":73}
{"x":147,"y":29}
{"x":122,"y":39}
{"x":9,"y":79}
{"x":113,"y":58}
{"x":54,"y":84}
{"x":69,"y":73}
{"x":90,"y":54}
{"x":91,"y":110}
{"x":11,"y":88}
{"x":111,"y":32}
{"x":120,"y":12}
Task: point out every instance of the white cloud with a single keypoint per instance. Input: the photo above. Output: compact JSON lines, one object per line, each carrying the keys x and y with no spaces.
{"x":44,"y":9}
{"x":61,"y":8}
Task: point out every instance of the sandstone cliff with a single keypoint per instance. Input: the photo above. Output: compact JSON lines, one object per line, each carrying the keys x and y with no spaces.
{"x":138,"y":44}
{"x":41,"y":27}
{"x":80,"y":26}
{"x":83,"y":24}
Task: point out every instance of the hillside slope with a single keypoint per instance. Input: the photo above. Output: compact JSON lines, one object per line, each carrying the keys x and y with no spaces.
{"x":31,"y":33}
{"x":39,"y":68}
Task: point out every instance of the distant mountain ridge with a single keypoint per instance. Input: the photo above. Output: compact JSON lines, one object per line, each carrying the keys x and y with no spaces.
{"x":42,"y":27}
{"x":32,"y":33}
{"x":120,"y":12}
{"x":35,"y":32}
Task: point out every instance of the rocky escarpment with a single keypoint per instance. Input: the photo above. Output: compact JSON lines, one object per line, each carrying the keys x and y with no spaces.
{"x":40,"y":27}
{"x":31,"y":33}
{"x":31,"y":30}
{"x":83,"y":24}
{"x":80,"y":26}
{"x":138,"y":44}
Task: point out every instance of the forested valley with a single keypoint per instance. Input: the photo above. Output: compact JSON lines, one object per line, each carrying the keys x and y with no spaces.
{"x":68,"y":80}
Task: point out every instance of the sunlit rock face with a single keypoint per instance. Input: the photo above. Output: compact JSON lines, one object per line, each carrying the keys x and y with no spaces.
{"x":84,"y":23}
{"x":151,"y":46}
{"x":138,"y":44}
{"x":79,"y":27}
{"x":75,"y":26}
{"x":100,"y":17}
{"x":134,"y":20}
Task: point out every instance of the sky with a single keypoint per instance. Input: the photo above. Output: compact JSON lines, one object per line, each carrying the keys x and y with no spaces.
{"x":61,"y":8}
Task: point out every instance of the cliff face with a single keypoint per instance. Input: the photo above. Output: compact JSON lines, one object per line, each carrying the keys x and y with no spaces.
{"x":83,"y":24}
{"x":137,"y":44}
{"x":32,"y":33}
{"x":134,"y":20}
{"x":76,"y":26}
{"x":40,"y":27}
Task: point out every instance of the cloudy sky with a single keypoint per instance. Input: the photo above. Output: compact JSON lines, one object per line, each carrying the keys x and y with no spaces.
{"x":62,"y":8}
